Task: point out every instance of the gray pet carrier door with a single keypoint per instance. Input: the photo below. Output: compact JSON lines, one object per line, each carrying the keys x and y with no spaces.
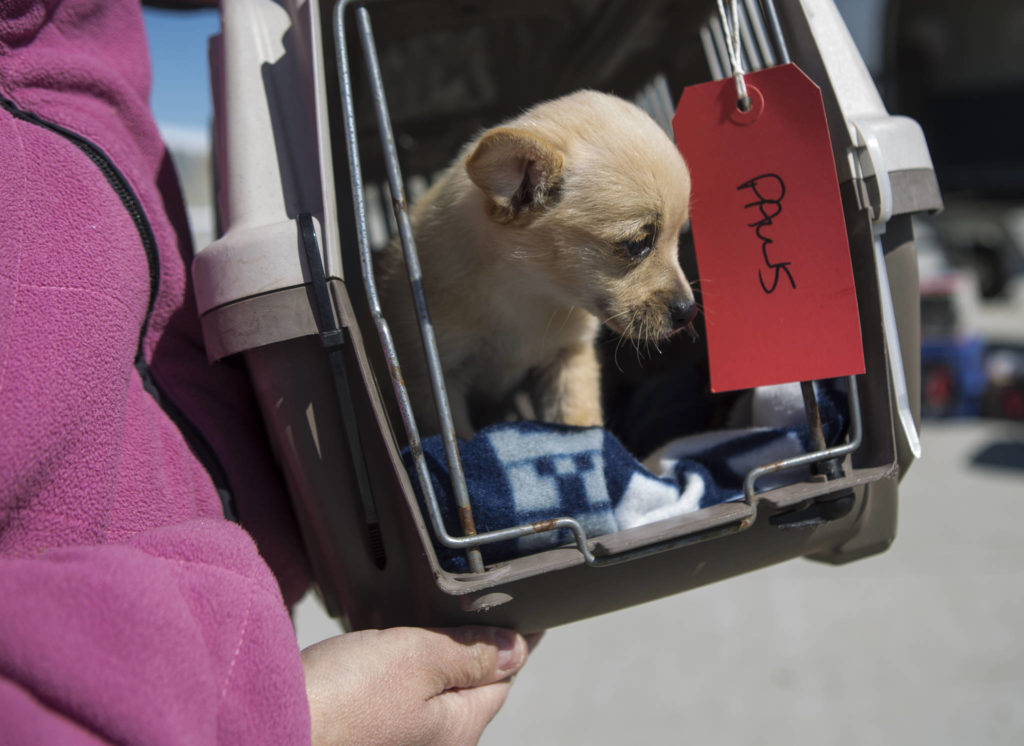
{"x":320,"y":111}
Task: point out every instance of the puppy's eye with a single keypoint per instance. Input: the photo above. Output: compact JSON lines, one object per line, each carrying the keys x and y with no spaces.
{"x":640,"y":246}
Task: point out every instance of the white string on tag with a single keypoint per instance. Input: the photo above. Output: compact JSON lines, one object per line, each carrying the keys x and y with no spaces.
{"x":731,"y":31}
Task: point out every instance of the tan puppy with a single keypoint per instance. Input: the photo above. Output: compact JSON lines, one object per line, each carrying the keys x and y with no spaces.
{"x":545,"y":226}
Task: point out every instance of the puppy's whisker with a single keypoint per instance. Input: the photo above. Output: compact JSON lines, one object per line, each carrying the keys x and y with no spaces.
{"x":652,"y":339}
{"x":615,"y":355}
{"x":615,"y":316}
{"x":638,"y":332}
{"x":655,"y":342}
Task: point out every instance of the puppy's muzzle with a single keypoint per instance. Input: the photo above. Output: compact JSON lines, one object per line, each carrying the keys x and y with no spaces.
{"x":681,"y":315}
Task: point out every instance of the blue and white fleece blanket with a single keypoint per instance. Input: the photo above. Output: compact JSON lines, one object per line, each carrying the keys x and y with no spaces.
{"x":523,"y":472}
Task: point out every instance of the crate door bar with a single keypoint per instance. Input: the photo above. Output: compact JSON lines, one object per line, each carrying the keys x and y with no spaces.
{"x":768,"y":7}
{"x":755,"y":21}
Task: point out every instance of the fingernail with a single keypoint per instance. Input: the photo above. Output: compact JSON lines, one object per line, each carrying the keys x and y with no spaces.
{"x":510,"y":652}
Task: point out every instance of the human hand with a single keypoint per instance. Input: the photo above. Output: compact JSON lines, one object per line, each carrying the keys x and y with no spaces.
{"x":408,"y":685}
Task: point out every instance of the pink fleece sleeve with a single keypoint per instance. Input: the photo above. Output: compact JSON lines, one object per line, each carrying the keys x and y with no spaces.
{"x":179,"y":636}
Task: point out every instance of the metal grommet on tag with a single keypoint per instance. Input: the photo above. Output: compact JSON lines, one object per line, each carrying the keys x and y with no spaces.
{"x":738,"y":116}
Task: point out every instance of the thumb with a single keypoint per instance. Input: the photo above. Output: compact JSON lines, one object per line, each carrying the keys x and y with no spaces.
{"x":467,"y":657}
{"x":473,"y":670}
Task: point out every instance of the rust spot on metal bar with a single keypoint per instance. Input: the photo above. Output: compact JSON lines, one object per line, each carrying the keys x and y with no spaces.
{"x":813,"y":415}
{"x":396,"y":375}
{"x":541,"y":526}
{"x":466,"y":519}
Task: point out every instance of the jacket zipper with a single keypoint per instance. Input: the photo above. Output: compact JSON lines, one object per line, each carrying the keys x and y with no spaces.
{"x":197,"y":443}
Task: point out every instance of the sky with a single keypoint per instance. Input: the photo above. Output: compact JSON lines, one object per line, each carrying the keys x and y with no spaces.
{"x":181,"y":79}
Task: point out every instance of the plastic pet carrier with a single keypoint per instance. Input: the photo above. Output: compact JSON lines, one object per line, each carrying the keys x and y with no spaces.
{"x":327,"y":115}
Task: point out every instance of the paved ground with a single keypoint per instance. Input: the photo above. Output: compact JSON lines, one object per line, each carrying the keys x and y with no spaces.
{"x":920,"y":645}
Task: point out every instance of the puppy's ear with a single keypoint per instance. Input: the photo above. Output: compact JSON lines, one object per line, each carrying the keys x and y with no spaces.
{"x":519,"y":171}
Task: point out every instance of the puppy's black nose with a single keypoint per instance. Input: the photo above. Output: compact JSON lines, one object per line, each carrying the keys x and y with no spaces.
{"x":682,"y":313}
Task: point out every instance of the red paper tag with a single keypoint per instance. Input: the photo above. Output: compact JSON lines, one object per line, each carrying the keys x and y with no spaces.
{"x":775,"y":274}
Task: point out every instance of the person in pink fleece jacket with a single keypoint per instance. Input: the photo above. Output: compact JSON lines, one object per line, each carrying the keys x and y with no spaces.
{"x":136,"y":608}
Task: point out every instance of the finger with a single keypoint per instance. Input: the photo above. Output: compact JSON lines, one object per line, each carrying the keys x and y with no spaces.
{"x":465,"y":657}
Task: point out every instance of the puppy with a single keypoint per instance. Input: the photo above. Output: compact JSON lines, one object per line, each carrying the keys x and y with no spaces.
{"x":543,"y":228}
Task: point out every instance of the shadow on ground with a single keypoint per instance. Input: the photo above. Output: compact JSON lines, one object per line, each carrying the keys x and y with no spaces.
{"x":1005,"y":454}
